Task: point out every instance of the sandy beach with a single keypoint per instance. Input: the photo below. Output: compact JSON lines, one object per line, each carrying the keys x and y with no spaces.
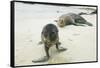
{"x":80,"y":41}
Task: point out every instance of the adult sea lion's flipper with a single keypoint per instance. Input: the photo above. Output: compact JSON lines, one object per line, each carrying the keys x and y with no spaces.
{"x":77,"y":24}
{"x":89,"y":24}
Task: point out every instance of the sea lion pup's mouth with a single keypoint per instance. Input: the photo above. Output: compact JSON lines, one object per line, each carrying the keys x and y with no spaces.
{"x":52,"y":37}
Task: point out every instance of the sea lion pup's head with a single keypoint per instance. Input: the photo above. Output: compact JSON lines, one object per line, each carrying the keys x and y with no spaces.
{"x":49,"y":33}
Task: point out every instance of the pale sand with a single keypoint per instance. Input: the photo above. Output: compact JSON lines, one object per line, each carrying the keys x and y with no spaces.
{"x":29,"y":21}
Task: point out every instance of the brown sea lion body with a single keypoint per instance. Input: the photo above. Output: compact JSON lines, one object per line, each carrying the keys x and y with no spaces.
{"x":72,"y":19}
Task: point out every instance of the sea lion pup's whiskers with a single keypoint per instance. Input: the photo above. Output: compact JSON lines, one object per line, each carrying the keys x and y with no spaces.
{"x":49,"y":37}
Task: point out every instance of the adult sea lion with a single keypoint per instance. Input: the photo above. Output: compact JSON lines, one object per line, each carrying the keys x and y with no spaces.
{"x":49,"y":37}
{"x":72,"y":19}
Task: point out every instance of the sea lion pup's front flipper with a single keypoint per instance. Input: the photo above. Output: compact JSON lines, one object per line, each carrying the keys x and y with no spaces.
{"x":60,"y":49}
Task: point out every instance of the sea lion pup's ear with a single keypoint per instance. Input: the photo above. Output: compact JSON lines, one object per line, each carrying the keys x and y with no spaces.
{"x":55,"y":20}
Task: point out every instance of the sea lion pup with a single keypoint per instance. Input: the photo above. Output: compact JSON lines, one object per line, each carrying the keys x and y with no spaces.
{"x":71,"y":19}
{"x":49,"y":37}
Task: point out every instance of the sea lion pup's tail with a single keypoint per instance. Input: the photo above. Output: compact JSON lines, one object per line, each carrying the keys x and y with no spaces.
{"x":89,"y":24}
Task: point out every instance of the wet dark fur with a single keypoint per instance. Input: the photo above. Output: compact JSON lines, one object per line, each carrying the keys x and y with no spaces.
{"x":50,"y":34}
{"x":49,"y":37}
